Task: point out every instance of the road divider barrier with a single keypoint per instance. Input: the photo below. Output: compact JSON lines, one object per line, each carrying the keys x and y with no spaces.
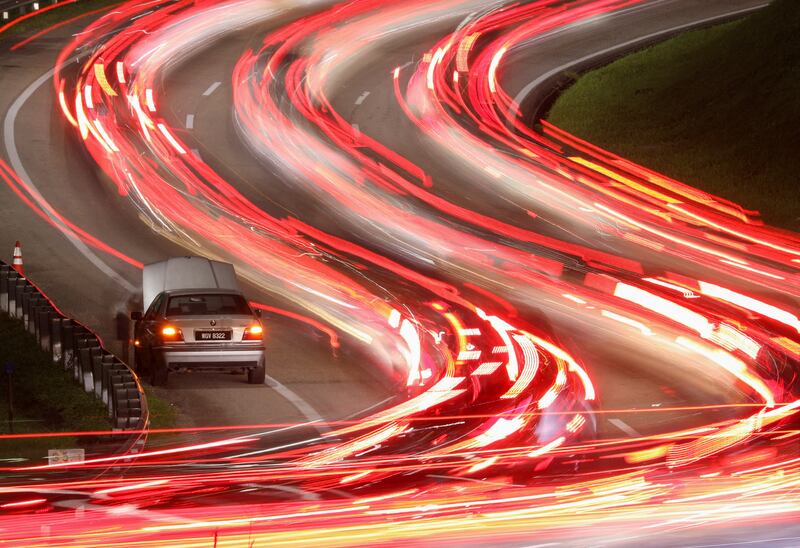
{"x":10,"y":10}
{"x":75,"y":348}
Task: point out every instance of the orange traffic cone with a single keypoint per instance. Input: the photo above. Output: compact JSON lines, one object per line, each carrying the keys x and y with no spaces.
{"x":17,"y":263}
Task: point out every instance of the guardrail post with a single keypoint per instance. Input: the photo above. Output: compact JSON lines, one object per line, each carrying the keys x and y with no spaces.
{"x":19,"y":292}
{"x":75,"y":348}
{"x":121,"y":383}
{"x":67,"y":341}
{"x":88,"y":360}
{"x":31,"y":302}
{"x":110,"y":375}
{"x":16,"y":287}
{"x":24,"y":291}
{"x":27,"y":297}
{"x":5,"y":271}
{"x":129,"y":410}
{"x":68,"y":333}
{"x":127,"y":403}
{"x":42,"y":318}
{"x":99,"y":366}
{"x":84,"y":346}
{"x":57,"y":328}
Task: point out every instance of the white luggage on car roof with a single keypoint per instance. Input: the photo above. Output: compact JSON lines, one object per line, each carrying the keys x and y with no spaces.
{"x":186,"y":273}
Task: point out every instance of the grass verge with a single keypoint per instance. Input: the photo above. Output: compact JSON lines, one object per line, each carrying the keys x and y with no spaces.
{"x":45,"y":398}
{"x":715,"y":108}
{"x":162,"y":413}
{"x":57,"y":15}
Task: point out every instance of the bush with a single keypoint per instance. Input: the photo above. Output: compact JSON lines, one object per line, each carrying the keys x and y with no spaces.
{"x":715,"y":108}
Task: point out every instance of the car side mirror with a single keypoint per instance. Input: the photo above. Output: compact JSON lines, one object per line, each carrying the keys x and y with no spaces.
{"x":136,"y":315}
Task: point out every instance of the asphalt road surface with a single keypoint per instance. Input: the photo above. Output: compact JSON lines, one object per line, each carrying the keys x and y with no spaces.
{"x":96,"y":288}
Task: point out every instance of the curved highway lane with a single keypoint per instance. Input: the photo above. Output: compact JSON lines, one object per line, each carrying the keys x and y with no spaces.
{"x":41,"y":150}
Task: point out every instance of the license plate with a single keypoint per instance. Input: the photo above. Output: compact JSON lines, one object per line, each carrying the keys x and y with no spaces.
{"x":212,"y":335}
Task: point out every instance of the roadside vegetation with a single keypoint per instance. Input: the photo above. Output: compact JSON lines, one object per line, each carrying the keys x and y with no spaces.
{"x":57,"y":15}
{"x":717,"y":108}
{"x":162,"y":413}
{"x":44,"y":397}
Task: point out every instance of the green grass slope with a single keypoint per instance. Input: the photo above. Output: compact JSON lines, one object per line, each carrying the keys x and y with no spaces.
{"x":45,"y":398}
{"x":54,"y":16}
{"x":717,"y":108}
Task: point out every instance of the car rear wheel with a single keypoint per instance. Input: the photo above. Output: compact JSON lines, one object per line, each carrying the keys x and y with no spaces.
{"x":257,"y":375}
{"x":160,"y":373}
{"x":140,"y":363}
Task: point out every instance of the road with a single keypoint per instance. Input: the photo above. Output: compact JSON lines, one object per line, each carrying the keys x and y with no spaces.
{"x":96,"y":288}
{"x":349,"y":182}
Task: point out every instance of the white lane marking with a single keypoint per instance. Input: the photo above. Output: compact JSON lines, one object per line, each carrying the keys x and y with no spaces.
{"x":277,"y":430}
{"x":473,"y":480}
{"x":141,"y":15}
{"x":373,"y":406}
{"x":762,"y":542}
{"x":211,"y":89}
{"x":404,"y":65}
{"x":272,"y":449}
{"x":190,"y":121}
{"x":278,"y":448}
{"x":549,"y":74}
{"x":269,"y":433}
{"x":81,"y":504}
{"x":299,"y":403}
{"x":362,"y":97}
{"x":625,"y":427}
{"x":311,"y":423}
{"x":305,"y":495}
{"x":16,"y":163}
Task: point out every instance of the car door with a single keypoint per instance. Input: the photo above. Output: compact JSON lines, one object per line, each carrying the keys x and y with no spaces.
{"x":147,"y":330}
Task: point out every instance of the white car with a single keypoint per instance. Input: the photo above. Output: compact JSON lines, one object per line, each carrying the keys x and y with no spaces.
{"x":206,"y":326}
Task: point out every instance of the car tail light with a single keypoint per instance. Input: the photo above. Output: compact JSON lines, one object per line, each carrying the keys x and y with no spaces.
{"x":170,"y":333}
{"x":253,"y":333}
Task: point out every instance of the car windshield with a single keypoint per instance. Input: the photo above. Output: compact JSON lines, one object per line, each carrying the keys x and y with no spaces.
{"x":207,"y":305}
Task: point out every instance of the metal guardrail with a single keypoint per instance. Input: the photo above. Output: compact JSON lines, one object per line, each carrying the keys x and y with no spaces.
{"x":12,"y":10}
{"x":77,"y":349}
